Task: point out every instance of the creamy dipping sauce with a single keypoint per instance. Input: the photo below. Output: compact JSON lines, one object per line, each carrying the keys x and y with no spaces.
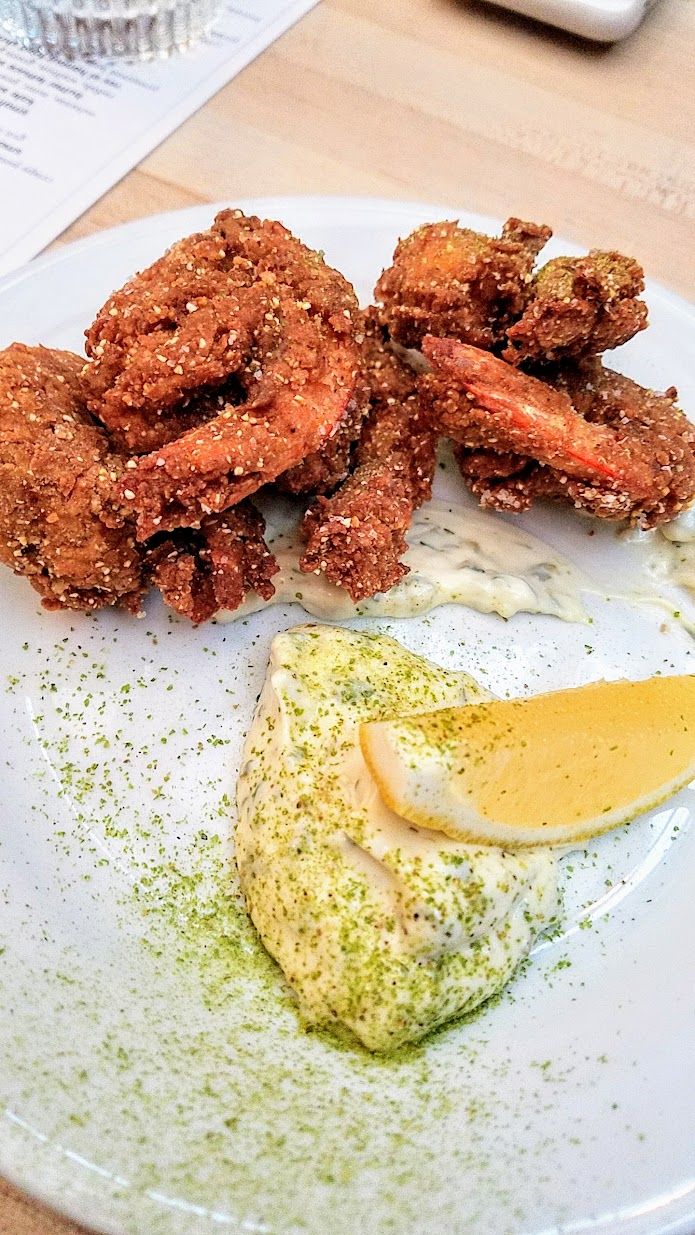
{"x":672,"y":550}
{"x":665,"y":558}
{"x":466,"y":557}
{"x":385,"y":927}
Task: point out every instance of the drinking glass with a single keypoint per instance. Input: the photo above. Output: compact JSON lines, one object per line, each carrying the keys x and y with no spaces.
{"x":101,"y":29}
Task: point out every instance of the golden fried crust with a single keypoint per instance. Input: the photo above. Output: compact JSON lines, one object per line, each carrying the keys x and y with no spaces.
{"x":201,"y":572}
{"x":450,"y":281}
{"x":211,"y":307}
{"x":651,"y":421}
{"x":640,"y":427}
{"x":357,"y":537}
{"x":384,"y":380}
{"x":389,"y":376}
{"x":324,"y":469}
{"x":579,"y":307}
{"x":227,"y":363}
{"x":58,"y":525}
{"x":298,"y":401}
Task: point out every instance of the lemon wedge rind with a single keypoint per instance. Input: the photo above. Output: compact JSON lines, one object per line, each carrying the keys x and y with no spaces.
{"x":555,"y":769}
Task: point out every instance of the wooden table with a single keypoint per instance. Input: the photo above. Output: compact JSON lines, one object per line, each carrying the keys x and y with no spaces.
{"x":448,"y":101}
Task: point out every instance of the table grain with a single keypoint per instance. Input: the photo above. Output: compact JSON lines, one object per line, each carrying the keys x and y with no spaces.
{"x":454,"y":102}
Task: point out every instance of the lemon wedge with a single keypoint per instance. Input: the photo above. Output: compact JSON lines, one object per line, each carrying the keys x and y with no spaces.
{"x":553,"y":769}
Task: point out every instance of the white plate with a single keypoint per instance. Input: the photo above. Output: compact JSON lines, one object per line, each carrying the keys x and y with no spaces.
{"x":153,"y":1076}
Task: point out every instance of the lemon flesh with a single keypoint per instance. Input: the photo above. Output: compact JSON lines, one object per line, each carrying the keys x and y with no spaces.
{"x":552,"y":769}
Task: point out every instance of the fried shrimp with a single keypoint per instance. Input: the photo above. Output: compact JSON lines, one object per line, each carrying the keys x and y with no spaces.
{"x":241,"y":360}
{"x":322,"y":471}
{"x":210,"y":308}
{"x":200,"y":572}
{"x":298,"y":401}
{"x":589,"y":435}
{"x":579,"y":306}
{"x":357,"y":537}
{"x":225,"y":363}
{"x":450,"y":281}
{"x":58,"y":523}
{"x":243,"y":338}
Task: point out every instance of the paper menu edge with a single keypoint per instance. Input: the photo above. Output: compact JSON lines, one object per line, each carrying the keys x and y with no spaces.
{"x":62,"y":215}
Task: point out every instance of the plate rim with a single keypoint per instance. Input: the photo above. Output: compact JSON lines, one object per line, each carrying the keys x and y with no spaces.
{"x":76,"y":1209}
{"x":270,"y":205}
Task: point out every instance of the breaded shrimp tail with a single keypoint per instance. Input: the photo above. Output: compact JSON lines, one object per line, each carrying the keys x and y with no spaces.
{"x":201,"y":572}
{"x":357,"y":537}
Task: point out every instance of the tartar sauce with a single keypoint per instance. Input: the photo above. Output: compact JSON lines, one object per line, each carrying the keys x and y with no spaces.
{"x":465,"y":557}
{"x":385,"y":927}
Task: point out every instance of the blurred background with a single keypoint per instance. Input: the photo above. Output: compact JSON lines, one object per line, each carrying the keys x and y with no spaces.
{"x":459,"y":103}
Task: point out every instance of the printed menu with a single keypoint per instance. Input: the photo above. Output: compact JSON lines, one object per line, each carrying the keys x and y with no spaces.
{"x":68,"y":132}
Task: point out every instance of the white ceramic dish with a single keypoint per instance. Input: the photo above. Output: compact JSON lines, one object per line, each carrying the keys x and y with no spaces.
{"x":154,"y":1079}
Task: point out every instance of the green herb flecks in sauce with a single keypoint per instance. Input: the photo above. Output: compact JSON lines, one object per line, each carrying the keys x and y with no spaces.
{"x":378,"y":925}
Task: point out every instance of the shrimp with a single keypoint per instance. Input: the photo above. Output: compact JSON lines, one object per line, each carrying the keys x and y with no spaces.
{"x":180,"y":331}
{"x":579,"y":306}
{"x":58,"y":523}
{"x":302,"y":393}
{"x":452,"y":282}
{"x":357,"y":536}
{"x":449,"y":280}
{"x":201,"y":572}
{"x":589,"y":434}
{"x":223,"y":365}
